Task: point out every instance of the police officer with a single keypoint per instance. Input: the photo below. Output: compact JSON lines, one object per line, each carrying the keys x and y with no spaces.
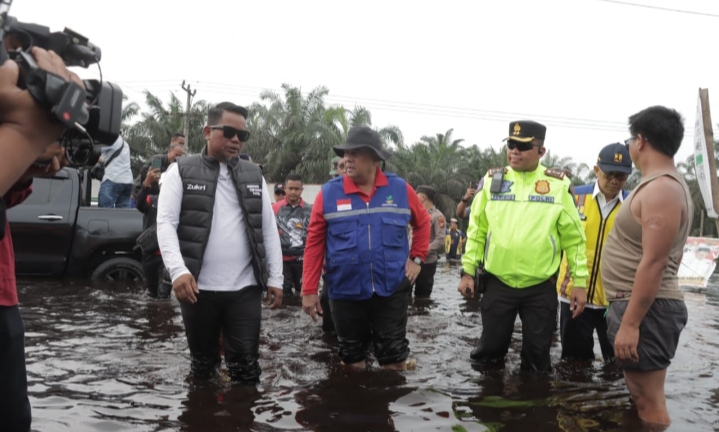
{"x":598,"y":205}
{"x":425,"y":280}
{"x":522,"y":218}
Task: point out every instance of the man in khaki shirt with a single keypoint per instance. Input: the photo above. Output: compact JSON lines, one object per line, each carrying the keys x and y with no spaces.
{"x":425,"y":280}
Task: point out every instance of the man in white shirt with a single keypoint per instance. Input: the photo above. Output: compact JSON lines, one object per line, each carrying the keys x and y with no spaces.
{"x":598,"y":205}
{"x":116,"y":186}
{"x":219,"y":240}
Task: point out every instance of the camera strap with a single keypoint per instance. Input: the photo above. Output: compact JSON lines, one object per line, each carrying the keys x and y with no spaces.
{"x":115,"y":154}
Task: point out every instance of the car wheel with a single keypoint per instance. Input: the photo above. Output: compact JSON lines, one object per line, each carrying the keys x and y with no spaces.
{"x":118,"y":269}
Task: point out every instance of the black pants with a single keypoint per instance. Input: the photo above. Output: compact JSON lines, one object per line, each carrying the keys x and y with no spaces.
{"x":425,"y":280}
{"x":578,"y":334}
{"x":292,"y":271}
{"x":537,"y":308}
{"x":153,"y":267}
{"x":237,"y":315}
{"x":327,"y":324}
{"x":380,"y":320}
{"x":14,"y":403}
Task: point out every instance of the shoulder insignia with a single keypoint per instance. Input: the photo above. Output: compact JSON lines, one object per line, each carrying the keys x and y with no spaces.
{"x":491,"y":171}
{"x":556,"y":173}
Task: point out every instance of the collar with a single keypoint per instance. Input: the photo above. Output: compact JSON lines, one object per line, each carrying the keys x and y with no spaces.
{"x":284,"y":202}
{"x":598,"y":191}
{"x":431,"y":209}
{"x":540,"y":168}
{"x":350,"y":187}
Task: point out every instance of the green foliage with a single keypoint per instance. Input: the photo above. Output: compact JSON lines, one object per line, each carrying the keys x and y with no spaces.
{"x":294,"y":132}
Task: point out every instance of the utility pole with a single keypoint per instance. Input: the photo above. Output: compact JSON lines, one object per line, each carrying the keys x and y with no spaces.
{"x":190,"y":95}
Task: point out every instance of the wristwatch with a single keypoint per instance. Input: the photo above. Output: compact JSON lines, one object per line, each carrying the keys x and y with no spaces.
{"x":417,"y":260}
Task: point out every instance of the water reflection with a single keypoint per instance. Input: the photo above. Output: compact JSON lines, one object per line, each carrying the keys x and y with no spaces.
{"x":106,"y":358}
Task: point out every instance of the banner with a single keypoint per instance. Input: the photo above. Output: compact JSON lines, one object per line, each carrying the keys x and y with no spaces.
{"x":704,"y":156}
{"x":698,"y":262}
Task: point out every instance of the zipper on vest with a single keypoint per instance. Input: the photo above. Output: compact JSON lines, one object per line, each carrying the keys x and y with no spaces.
{"x":369,"y":239}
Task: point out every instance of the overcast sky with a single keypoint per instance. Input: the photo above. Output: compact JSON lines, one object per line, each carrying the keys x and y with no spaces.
{"x":579,"y":66}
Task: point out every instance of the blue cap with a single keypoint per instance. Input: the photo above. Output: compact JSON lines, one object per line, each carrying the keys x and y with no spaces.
{"x":615,"y":158}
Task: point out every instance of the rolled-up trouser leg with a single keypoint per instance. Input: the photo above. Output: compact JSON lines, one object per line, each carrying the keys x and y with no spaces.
{"x":241,"y":316}
{"x":388,"y":316}
{"x":202,"y":326}
{"x":352,"y":323}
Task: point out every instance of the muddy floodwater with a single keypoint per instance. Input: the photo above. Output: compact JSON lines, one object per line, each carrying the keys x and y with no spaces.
{"x":106,"y":358}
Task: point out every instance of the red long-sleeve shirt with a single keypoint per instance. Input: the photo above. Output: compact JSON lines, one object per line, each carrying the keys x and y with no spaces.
{"x":8,"y":286}
{"x":316,"y":234}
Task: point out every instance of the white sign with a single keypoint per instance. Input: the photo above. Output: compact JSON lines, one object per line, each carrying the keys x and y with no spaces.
{"x":701,"y":161}
{"x":698,"y":262}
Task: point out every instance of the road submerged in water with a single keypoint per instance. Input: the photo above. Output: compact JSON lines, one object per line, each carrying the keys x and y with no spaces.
{"x":107,"y":358}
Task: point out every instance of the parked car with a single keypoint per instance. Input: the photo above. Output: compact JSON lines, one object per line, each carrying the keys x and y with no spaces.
{"x":58,"y":233}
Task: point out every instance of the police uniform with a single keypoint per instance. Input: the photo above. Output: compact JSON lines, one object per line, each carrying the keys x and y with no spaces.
{"x":425,"y":280}
{"x":597,"y":216}
{"x":519,"y":225}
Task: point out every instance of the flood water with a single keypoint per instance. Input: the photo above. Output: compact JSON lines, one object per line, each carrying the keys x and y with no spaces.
{"x":105,"y":358}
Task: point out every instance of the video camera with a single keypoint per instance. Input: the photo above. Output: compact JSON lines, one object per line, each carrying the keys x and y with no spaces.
{"x":92,"y":115}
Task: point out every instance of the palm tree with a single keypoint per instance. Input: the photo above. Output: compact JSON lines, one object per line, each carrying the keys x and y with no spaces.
{"x":152,"y":133}
{"x":291,"y":134}
{"x":438,"y":161}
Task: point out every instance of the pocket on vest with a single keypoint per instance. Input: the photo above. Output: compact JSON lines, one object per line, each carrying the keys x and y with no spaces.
{"x":344,"y":274}
{"x":343,"y":236}
{"x":394,"y":232}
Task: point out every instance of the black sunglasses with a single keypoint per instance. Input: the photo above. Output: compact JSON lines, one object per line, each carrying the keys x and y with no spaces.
{"x":628,"y":141}
{"x":229,"y":132}
{"x":523,"y":147}
{"x":615,"y":175}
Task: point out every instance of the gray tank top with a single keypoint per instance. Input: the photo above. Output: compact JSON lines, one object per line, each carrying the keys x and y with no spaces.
{"x":623,"y":250}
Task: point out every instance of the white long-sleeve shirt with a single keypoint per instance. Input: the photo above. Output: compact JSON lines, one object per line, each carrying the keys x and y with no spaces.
{"x":227,"y":264}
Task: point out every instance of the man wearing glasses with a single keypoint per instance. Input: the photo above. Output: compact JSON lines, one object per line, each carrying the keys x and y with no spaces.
{"x":219,"y":241}
{"x":523,"y":216}
{"x":598,"y":205}
{"x":640,"y":261}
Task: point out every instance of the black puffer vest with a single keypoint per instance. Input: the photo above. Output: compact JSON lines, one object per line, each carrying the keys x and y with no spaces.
{"x":199,"y":176}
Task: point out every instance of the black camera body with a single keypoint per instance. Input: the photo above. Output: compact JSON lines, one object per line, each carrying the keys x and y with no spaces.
{"x":92,"y":115}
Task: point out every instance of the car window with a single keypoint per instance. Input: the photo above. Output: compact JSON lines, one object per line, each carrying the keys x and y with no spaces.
{"x":40,"y":192}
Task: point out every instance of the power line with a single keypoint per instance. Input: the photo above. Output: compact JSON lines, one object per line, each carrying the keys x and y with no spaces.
{"x":661,"y":8}
{"x":413,"y":107}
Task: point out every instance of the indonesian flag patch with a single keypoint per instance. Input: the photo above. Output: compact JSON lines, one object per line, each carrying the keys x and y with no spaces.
{"x":344,"y":204}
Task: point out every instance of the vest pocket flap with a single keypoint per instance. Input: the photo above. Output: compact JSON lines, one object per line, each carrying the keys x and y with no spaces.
{"x":343,"y":259}
{"x":342,"y":236}
{"x":343,"y":227}
{"x":394,"y":232}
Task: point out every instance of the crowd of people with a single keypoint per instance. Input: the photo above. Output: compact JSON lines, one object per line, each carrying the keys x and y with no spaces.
{"x":601,"y":258}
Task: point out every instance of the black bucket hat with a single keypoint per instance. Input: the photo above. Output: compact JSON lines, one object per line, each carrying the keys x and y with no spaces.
{"x":363,"y":136}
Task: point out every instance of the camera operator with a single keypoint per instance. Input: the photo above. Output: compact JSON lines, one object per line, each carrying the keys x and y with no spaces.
{"x":26,"y":129}
{"x":27,"y":135}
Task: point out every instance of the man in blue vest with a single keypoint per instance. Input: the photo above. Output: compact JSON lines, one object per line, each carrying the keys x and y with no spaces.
{"x":359,"y":225}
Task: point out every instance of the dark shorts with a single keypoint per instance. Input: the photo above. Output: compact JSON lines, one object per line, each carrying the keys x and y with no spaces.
{"x":658,"y":333}
{"x":380,"y":320}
